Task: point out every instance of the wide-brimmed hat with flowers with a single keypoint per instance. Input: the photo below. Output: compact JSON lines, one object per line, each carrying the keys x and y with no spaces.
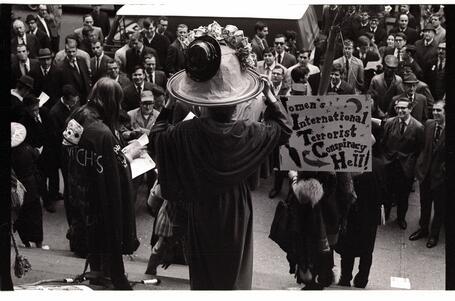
{"x":218,"y":71}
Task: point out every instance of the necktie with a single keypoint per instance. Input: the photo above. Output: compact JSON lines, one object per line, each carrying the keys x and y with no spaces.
{"x":268,"y":71}
{"x":37,"y":119}
{"x":74,"y":63}
{"x":437,"y":134}
{"x":139,"y":88}
{"x":279,"y":58}
{"x":45,"y":72}
{"x":97,"y":63}
{"x":440,"y":66}
{"x":347,"y":68}
{"x":403,"y":127}
{"x":24,"y":69}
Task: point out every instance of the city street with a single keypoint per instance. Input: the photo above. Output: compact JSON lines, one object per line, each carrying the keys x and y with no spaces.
{"x":414,"y":266}
{"x":394,"y":255}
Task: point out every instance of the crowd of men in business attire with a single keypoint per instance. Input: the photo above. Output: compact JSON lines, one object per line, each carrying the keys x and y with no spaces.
{"x":402,"y":68}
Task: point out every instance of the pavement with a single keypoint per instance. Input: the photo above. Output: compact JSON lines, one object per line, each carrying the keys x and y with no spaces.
{"x":414,"y":266}
{"x":410,"y":263}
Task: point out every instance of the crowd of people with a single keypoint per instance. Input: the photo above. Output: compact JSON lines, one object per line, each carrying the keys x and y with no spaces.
{"x":81,"y":107}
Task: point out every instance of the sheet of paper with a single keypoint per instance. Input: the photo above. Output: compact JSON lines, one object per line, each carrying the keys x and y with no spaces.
{"x":141,"y":165}
{"x":398,"y":282}
{"x":43,"y":98}
{"x":143,"y":140}
{"x":372,"y":65}
{"x":189,"y":116}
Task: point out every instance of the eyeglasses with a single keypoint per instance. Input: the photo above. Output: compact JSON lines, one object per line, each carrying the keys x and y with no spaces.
{"x":279,"y":43}
{"x":303,"y":57}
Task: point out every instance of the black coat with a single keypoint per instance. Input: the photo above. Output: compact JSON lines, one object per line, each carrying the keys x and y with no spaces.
{"x":46,"y":84}
{"x":364,"y":215}
{"x":133,"y":59}
{"x":161,"y":44}
{"x":43,"y":39}
{"x":132,"y":99}
{"x":67,"y":74}
{"x":32,"y":45}
{"x":175,"y":60}
{"x":16,"y":71}
{"x":101,"y":20}
{"x":102,"y":185}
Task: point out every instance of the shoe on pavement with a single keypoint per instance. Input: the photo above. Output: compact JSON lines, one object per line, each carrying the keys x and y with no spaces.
{"x":50,"y":207}
{"x":432,"y":242}
{"x":421,"y":233}
{"x":273,"y":193}
{"x":402,"y":224}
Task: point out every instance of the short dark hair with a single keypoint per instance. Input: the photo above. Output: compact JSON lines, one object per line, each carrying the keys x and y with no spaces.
{"x":22,"y":45}
{"x":278,"y":36}
{"x":278,"y":66}
{"x":269,"y":50}
{"x":302,"y":51}
{"x":259,"y":26}
{"x":299,"y":73}
{"x":137,"y":36}
{"x":157,"y":91}
{"x":72,"y":36}
{"x":164,"y":18}
{"x":402,"y":35}
{"x":86,"y":16}
{"x":69,"y":90}
{"x":149,"y":56}
{"x":290,"y":34}
{"x":147,"y":22}
{"x":139,"y":67}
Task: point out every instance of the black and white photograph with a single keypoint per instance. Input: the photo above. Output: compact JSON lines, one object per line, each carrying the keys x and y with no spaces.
{"x":226,"y":145}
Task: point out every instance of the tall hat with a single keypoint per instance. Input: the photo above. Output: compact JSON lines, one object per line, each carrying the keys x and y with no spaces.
{"x":214,"y":75}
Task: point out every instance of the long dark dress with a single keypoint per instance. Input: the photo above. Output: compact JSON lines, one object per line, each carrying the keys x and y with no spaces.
{"x":207,"y":163}
{"x":29,"y":223}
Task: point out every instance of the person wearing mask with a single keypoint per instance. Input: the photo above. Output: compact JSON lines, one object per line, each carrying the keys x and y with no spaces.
{"x":102,"y":186}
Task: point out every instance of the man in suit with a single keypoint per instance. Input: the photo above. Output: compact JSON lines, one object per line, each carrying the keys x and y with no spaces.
{"x":80,"y":54}
{"x":41,"y":135}
{"x":74,"y":71}
{"x":132,"y":93}
{"x":21,"y":64}
{"x":266,"y":66}
{"x":48,"y":25}
{"x":430,"y":172}
{"x":23,"y":38}
{"x":419,"y":107}
{"x":135,"y":55}
{"x":411,"y":33}
{"x":282,"y":57}
{"x":120,"y":54}
{"x":161,"y":28}
{"x":259,"y":42}
{"x":43,"y":39}
{"x":58,"y":114}
{"x":45,"y":77}
{"x":156,"y":41}
{"x":426,"y":48}
{"x":402,"y":142}
{"x":384,"y":86}
{"x":175,"y":60}
{"x":399,"y":50}
{"x":101,"y":19}
{"x":366,"y":55}
{"x":113,"y":71}
{"x":98,"y":63}
{"x":314,"y":74}
{"x":435,"y":74}
{"x":24,"y":86}
{"x":412,"y":21}
{"x":353,"y":67}
{"x":379,"y":33}
{"x":337,"y":85}
{"x":152,"y":75}
{"x":421,"y":88}
{"x":87,"y":22}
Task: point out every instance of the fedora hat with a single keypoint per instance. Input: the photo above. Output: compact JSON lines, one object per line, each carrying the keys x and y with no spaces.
{"x":44,"y":53}
{"x":18,"y":134}
{"x":30,"y":18}
{"x":410,"y":78}
{"x":214,"y":76}
{"x":429,"y":26}
{"x":147,"y":96}
{"x":27,"y":81}
{"x":391,"y":61}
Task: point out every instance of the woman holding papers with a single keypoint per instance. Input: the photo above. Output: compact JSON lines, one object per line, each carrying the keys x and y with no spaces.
{"x":99,"y":178}
{"x":206,"y":161}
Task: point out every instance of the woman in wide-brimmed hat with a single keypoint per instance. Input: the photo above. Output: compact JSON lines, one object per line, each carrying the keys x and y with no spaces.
{"x":206,"y":161}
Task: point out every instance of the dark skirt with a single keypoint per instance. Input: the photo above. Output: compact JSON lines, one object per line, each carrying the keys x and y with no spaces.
{"x":221,"y":241}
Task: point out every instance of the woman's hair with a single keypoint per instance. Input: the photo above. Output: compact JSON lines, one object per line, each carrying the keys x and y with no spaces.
{"x":105,"y":97}
{"x":219,"y":114}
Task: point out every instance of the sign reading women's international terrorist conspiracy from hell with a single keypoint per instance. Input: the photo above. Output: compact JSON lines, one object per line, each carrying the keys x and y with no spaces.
{"x":330,"y":133}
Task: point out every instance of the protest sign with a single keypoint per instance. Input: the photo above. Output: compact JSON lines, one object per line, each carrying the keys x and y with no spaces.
{"x":330,"y":133}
